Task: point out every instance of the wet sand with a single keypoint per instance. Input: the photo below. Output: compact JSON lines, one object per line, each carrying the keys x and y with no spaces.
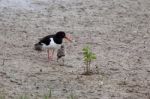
{"x":118,"y":31}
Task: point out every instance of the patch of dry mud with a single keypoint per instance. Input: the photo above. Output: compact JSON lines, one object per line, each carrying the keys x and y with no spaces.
{"x":117,"y":30}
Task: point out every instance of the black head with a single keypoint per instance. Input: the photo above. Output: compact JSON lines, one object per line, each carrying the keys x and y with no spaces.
{"x":60,"y":34}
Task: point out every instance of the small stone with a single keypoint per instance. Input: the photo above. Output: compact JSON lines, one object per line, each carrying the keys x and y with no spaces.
{"x":40,"y":70}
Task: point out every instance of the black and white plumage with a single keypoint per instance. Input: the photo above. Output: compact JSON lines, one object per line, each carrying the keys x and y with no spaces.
{"x":51,"y":42}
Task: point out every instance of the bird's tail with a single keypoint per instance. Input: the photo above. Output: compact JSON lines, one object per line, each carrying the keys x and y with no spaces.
{"x":38,"y":47}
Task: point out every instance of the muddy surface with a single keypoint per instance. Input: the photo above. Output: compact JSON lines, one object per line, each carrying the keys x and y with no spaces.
{"x":118,"y":31}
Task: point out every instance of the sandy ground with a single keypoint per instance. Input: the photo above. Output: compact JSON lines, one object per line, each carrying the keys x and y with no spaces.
{"x":118,"y":31}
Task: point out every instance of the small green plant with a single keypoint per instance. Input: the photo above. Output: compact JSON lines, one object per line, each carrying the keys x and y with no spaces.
{"x":89,"y":56}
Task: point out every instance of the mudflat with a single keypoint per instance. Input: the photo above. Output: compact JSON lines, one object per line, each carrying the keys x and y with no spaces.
{"x":118,"y":32}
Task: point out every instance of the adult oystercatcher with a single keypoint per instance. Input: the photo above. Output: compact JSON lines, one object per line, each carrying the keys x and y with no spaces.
{"x":51,"y":42}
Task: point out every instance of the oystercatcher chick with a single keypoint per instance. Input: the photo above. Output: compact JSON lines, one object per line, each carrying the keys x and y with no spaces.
{"x":51,"y":42}
{"x":60,"y":52}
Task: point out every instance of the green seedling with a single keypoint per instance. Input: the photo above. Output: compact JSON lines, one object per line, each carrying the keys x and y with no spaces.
{"x":89,"y":56}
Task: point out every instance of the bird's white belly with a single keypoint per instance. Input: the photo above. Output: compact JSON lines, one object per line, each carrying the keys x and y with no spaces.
{"x":52,"y":45}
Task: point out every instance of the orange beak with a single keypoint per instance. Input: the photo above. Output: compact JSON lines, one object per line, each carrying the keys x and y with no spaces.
{"x":67,"y":38}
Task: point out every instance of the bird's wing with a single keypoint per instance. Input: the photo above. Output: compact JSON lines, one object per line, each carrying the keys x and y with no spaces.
{"x":46,"y":39}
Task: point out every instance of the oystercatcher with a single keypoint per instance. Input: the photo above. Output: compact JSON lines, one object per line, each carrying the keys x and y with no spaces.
{"x":51,"y":42}
{"x":60,"y":52}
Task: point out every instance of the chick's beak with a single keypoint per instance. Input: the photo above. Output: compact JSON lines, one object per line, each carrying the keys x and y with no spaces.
{"x":67,"y":38}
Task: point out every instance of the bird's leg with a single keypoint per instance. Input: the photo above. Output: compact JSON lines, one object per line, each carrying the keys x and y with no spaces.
{"x":53,"y":52}
{"x":49,"y":54}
